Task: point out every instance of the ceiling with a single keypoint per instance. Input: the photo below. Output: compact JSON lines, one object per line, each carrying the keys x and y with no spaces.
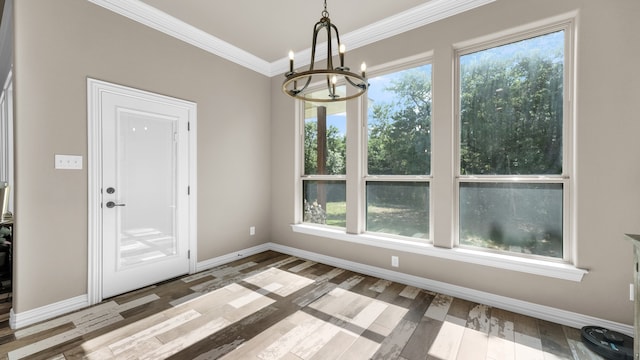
{"x":269,"y":29}
{"x":258,"y":34}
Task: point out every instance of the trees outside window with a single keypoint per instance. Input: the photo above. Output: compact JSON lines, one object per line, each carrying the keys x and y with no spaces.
{"x":399,"y":153}
{"x":505,"y":158}
{"x":511,"y":148}
{"x":325,"y":159}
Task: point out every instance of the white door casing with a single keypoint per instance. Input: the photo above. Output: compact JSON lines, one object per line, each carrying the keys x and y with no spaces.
{"x":142,"y":156}
{"x":6,"y":137}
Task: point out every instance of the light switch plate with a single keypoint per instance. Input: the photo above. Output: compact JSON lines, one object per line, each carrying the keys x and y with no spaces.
{"x":68,"y":162}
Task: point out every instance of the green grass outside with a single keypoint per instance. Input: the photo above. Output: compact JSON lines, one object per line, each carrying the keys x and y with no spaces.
{"x":407,"y":222}
{"x":337,"y":214}
{"x":389,"y":220}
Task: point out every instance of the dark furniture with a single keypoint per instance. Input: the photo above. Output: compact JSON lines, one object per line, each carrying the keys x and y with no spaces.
{"x":635,"y":239}
{"x":6,"y":257}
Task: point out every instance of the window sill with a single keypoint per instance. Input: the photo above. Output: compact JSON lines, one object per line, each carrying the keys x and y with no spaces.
{"x":500,"y":261}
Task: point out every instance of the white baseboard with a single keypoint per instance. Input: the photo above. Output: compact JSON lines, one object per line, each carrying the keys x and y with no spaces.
{"x":559,"y":316}
{"x":30,"y":317}
{"x":224,"y":259}
{"x":576,"y":320}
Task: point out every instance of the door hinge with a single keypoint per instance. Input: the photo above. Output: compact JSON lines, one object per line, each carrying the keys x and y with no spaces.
{"x":188,"y":125}
{"x":188,"y":190}
{"x":188,"y":254}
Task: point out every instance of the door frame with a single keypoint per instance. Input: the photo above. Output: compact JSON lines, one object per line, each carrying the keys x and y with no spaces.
{"x":95,"y":89}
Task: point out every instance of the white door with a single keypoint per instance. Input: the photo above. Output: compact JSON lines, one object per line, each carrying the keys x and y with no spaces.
{"x":144,"y":191}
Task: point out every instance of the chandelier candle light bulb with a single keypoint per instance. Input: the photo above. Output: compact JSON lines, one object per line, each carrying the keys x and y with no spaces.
{"x":290,"y":61}
{"x":343,"y":48}
{"x":334,"y":80}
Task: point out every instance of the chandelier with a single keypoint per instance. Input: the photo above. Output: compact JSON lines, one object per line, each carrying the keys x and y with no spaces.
{"x":297,"y":84}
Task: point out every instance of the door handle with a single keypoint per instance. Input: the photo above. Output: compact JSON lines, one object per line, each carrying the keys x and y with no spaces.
{"x":111,"y":204}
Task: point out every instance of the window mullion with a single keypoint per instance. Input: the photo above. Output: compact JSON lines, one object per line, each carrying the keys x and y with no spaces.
{"x":355,"y":166}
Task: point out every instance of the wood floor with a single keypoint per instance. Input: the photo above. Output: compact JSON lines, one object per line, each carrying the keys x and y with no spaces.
{"x":275,"y":306}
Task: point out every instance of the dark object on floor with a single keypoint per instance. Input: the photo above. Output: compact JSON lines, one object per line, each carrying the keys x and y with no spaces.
{"x":5,"y":267}
{"x":610,"y":344}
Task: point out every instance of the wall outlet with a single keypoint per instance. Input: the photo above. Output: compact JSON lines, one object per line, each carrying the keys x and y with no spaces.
{"x":68,"y":162}
{"x":632,"y":293}
{"x":395,"y":262}
{"x":252,"y":230}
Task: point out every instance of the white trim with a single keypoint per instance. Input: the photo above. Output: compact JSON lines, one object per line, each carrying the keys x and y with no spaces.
{"x":543,"y":312}
{"x":29,"y":317}
{"x":401,"y":64}
{"x":148,"y":15}
{"x":517,"y":33}
{"x":227,"y":258}
{"x":564,"y":22}
{"x":501,"y":261}
{"x":94,"y":171}
{"x":94,"y":174}
{"x":418,"y":16}
{"x":413,"y":18}
{"x":6,"y":137}
{"x":193,"y":189}
{"x":568,"y":318}
{"x":8,"y":93}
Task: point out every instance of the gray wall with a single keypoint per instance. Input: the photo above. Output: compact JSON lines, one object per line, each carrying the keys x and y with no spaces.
{"x":61,"y":43}
{"x":607,"y":169}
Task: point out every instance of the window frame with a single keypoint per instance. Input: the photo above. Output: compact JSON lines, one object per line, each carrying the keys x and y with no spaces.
{"x":390,"y":68}
{"x":302,"y":177}
{"x":566,"y":178}
{"x":7,"y":138}
{"x":356,"y":158}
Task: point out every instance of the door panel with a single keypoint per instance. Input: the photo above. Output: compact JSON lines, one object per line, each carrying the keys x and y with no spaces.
{"x":144,"y":193}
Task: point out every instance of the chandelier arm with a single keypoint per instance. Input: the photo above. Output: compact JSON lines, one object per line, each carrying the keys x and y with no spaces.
{"x":302,"y":89}
{"x":362,"y":85}
{"x":337,"y":39}
{"x":316,"y":29}
{"x":329,"y":43}
{"x":331,"y":87}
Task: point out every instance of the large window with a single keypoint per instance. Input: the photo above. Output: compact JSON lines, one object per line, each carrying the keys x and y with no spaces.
{"x":469,"y":150}
{"x":513,"y":173}
{"x":399,"y":153}
{"x":324,"y":178}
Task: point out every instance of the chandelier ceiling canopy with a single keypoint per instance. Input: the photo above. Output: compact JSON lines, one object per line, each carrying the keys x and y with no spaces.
{"x":297,"y":84}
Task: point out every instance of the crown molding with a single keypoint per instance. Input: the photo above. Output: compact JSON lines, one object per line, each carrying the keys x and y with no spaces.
{"x":147,"y":15}
{"x":413,"y":18}
{"x":418,"y":16}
